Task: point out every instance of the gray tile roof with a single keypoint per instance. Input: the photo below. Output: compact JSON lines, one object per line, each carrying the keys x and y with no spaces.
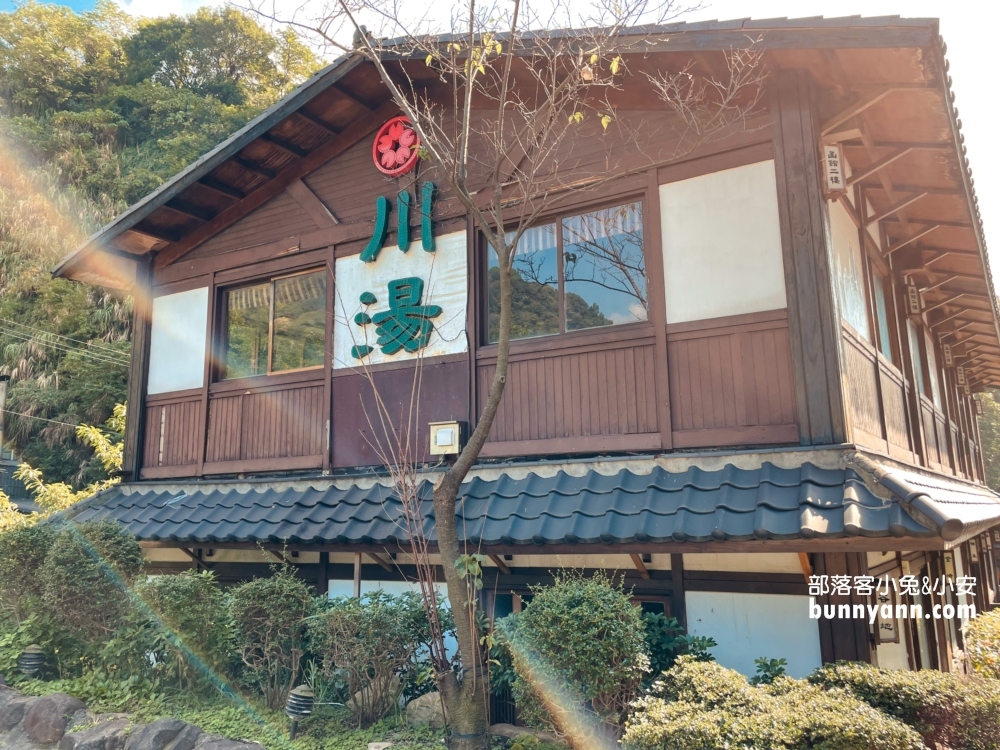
{"x":693,"y":505}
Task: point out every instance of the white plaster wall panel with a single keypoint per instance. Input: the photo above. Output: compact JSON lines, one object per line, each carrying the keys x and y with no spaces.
{"x":722,"y":244}
{"x":893,"y":655}
{"x":445,"y":275}
{"x":747,"y":626}
{"x":177,"y":341}
{"x":766,"y":562}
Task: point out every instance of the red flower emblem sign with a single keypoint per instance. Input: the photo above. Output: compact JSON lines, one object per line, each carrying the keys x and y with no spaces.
{"x":395,"y":149}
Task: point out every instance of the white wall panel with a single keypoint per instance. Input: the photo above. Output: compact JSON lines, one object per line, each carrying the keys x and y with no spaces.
{"x":177,"y":341}
{"x":747,"y":626}
{"x":722,"y":244}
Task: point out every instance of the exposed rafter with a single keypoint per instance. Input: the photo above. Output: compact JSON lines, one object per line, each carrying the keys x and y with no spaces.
{"x":854,"y":110}
{"x":289,"y":148}
{"x":879,"y":165}
{"x":895,"y":208}
{"x":899,"y":245}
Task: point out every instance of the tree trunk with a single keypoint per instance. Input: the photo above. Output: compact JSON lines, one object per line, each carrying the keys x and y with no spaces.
{"x":466,"y":700}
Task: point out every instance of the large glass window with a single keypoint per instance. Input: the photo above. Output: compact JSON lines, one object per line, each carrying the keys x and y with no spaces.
{"x":849,"y":271}
{"x":276,"y":326}
{"x":582,"y":271}
{"x":916,"y":356}
{"x":882,"y":315}
{"x":932,"y":370}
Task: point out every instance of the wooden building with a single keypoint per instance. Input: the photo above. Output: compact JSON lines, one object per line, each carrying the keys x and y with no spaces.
{"x":784,"y":387}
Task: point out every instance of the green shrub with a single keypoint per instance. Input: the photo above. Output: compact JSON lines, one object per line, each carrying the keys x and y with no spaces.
{"x":87,"y":575}
{"x":22,"y":552}
{"x":579,"y":651}
{"x":269,"y":618}
{"x":191,"y":617}
{"x":666,"y":640}
{"x":982,"y":644}
{"x":954,"y":710}
{"x":371,"y":643}
{"x":703,"y":706}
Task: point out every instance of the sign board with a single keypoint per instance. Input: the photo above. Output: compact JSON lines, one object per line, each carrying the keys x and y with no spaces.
{"x":835,"y":178}
{"x":960,"y":374}
{"x":948,"y":359}
{"x":913,"y":299}
{"x":887,"y":627}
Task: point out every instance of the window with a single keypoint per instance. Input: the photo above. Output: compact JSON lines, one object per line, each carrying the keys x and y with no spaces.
{"x":275,"y":326}
{"x":579,"y":272}
{"x":849,"y":271}
{"x":916,"y":356}
{"x":932,"y":370}
{"x":882,"y":315}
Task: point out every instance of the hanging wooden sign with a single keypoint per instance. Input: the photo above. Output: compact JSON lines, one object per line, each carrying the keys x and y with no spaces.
{"x":913,"y":299}
{"x":833,"y":169}
{"x":960,"y":374}
{"x":948,"y":359}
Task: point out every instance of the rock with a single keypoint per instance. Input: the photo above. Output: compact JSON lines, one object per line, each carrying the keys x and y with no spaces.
{"x":165,"y":734}
{"x":214,"y":742}
{"x":12,"y":712}
{"x":426,"y":711}
{"x":46,"y":720}
{"x":379,"y":745}
{"x":108,"y":736}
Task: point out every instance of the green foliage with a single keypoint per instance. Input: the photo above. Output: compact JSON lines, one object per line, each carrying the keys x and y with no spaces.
{"x":580,"y":641}
{"x":371,"y":643}
{"x":191,"y":611}
{"x":703,"y":706}
{"x":86,"y":577}
{"x":954,"y":710}
{"x":22,"y":552}
{"x":96,"y":111}
{"x":666,"y":640}
{"x":989,"y":434}
{"x":269,"y":618}
{"x":768,"y":670}
{"x":982,"y":644}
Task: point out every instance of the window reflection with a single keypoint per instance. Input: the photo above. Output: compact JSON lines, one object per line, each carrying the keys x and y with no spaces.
{"x":247,"y":322}
{"x":603,"y":267}
{"x":299,"y":322}
{"x":534,"y":286}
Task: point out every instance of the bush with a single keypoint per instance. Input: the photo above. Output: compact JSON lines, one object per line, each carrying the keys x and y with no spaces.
{"x":954,"y":710}
{"x":982,"y":644}
{"x":268,"y":614}
{"x":579,"y":651}
{"x":703,"y":706}
{"x":666,"y":640}
{"x":22,"y":552}
{"x":371,"y":643}
{"x":86,"y":577}
{"x":191,"y":614}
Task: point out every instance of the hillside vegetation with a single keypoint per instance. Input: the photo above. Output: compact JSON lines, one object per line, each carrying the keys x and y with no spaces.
{"x":96,"y":110}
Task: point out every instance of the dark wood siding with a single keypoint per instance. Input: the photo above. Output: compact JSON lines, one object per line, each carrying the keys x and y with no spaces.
{"x":172,"y":442}
{"x":443,"y":396}
{"x":597,"y":395}
{"x":731,"y":381}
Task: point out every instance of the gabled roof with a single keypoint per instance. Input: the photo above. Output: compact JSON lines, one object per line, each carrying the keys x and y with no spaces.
{"x":727,"y":505}
{"x":890,"y":71}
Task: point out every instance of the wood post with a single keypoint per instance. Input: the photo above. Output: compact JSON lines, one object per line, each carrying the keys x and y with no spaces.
{"x":814,"y":330}
{"x":843,"y":639}
{"x":678,"y":608}
{"x":135,"y":417}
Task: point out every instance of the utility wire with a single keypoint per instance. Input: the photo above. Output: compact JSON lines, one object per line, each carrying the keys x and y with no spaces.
{"x":40,"y":419}
{"x":94,"y":356}
{"x":40,"y":339}
{"x":90,"y":344}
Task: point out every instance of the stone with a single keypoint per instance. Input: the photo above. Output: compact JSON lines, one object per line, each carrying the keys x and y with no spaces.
{"x":12,"y":712}
{"x":379,"y":745}
{"x":46,"y":720}
{"x":164,"y":734}
{"x":108,"y":736}
{"x":512,"y":732}
{"x":426,"y":711}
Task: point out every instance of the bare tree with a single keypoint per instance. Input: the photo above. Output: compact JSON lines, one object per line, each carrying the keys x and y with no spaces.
{"x":498,"y":106}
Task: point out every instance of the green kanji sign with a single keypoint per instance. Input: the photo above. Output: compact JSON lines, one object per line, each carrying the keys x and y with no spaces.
{"x":406,"y":325}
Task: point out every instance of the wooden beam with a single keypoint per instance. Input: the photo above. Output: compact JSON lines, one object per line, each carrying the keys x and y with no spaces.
{"x":504,"y":568}
{"x":221,"y":188}
{"x":917,"y":189}
{"x":957,"y":330}
{"x":912,"y":238}
{"x":311,"y":204}
{"x":877,"y":166}
{"x":352,"y":98}
{"x":851,"y":134}
{"x":916,"y":145}
{"x":318,"y":122}
{"x":807,"y":569}
{"x":896,"y":208}
{"x":329,"y":150}
{"x":945,"y":320}
{"x":385,"y":566}
{"x":185,"y":215}
{"x":938,"y":284}
{"x":639,"y":565}
{"x":853,"y":110}
{"x":187,"y":209}
{"x":944,"y":302}
{"x":289,"y":148}
{"x":157,"y":233}
{"x":249,"y":166}
{"x":199,"y":563}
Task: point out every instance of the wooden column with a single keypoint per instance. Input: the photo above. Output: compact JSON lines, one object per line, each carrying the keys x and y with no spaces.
{"x":847,"y":639}
{"x":323,"y":575}
{"x":812,"y":320}
{"x":678,"y":608}
{"x":135,"y":418}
